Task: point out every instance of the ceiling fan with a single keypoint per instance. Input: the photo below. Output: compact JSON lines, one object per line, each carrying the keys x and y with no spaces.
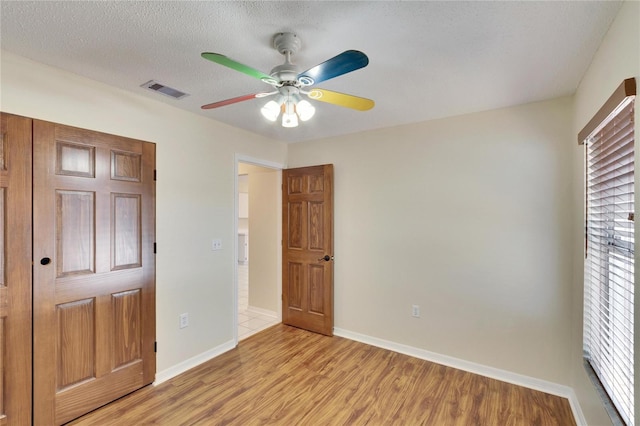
{"x":289,"y":84}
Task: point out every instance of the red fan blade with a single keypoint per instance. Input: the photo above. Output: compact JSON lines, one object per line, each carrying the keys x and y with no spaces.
{"x":236,"y":100}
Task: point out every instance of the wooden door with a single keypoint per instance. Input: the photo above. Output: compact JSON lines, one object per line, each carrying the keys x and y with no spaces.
{"x":15,"y":270}
{"x":94,"y":269}
{"x":307,"y":248}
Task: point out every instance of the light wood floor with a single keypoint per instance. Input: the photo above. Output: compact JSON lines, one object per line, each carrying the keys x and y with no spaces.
{"x":287,"y":376}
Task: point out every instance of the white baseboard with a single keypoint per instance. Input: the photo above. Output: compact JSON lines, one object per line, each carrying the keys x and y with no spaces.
{"x":188,"y":364}
{"x":472,"y":367}
{"x":262,"y":311}
{"x":575,"y":408}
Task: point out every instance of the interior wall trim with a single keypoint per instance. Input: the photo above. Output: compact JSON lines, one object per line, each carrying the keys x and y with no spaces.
{"x":472,"y":367}
{"x":192,"y":362}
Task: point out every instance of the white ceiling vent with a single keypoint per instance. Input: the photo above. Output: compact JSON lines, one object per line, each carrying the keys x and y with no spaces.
{"x":165,"y":90}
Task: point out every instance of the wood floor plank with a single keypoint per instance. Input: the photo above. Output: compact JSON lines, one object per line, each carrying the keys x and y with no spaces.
{"x":288,"y":376}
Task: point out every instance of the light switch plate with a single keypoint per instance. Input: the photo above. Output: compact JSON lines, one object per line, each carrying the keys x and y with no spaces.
{"x":216,"y":244}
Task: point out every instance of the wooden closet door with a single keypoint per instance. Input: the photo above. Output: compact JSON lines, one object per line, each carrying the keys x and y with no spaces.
{"x":15,"y":270}
{"x":94,"y":269}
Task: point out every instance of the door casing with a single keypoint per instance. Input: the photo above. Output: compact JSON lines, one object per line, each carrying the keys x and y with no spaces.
{"x":241,"y":158}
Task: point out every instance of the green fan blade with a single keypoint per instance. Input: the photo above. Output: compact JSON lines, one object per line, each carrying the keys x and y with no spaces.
{"x":235,"y":65}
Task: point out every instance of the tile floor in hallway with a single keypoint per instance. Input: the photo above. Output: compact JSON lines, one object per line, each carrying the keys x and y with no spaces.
{"x":249,"y":321}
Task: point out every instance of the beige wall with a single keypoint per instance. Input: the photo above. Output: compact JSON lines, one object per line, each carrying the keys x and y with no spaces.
{"x":264,"y":238}
{"x":195,"y":192}
{"x":468,"y":217}
{"x":617,"y":58}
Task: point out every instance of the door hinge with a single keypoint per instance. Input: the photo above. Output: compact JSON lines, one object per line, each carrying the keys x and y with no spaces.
{"x":155,"y":248}
{"x":155,"y":174}
{"x":155,"y":347}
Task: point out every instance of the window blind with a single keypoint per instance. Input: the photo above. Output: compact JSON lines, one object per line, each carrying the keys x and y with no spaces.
{"x":609,"y":264}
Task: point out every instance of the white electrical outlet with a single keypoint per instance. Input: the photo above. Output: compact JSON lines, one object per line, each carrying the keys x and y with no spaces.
{"x":184,"y":320}
{"x":216,"y":244}
{"x":415,"y":311}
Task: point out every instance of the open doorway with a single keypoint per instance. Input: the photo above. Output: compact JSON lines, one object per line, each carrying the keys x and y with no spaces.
{"x":259,"y":255}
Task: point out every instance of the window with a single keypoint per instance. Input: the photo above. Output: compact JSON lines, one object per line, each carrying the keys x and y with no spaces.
{"x":609,"y":264}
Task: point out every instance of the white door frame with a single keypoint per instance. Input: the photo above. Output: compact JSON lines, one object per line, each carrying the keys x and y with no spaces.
{"x":241,"y":158}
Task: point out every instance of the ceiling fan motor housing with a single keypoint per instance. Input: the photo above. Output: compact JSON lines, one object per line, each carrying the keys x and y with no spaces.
{"x":287,"y":44}
{"x":285,"y":73}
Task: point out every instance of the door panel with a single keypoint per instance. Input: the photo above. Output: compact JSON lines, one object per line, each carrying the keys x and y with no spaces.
{"x":307,"y":226}
{"x":126,"y":238}
{"x":94,"y":303}
{"x":15,"y":270}
{"x":126,"y":317}
{"x":316,"y":286}
{"x":76,"y":342}
{"x":75,"y":237}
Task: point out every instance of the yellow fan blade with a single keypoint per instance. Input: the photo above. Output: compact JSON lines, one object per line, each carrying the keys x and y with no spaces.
{"x":342,"y":99}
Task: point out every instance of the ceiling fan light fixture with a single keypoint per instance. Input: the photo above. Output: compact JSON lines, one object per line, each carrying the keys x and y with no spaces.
{"x":293,"y":110}
{"x":289,"y":120}
{"x":305,"y":110}
{"x":289,"y":116}
{"x":270,"y":111}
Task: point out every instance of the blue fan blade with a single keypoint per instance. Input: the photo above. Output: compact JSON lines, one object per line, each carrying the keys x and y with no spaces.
{"x":345,"y":62}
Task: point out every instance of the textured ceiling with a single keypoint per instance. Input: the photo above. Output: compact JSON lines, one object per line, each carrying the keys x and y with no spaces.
{"x":427,"y":59}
